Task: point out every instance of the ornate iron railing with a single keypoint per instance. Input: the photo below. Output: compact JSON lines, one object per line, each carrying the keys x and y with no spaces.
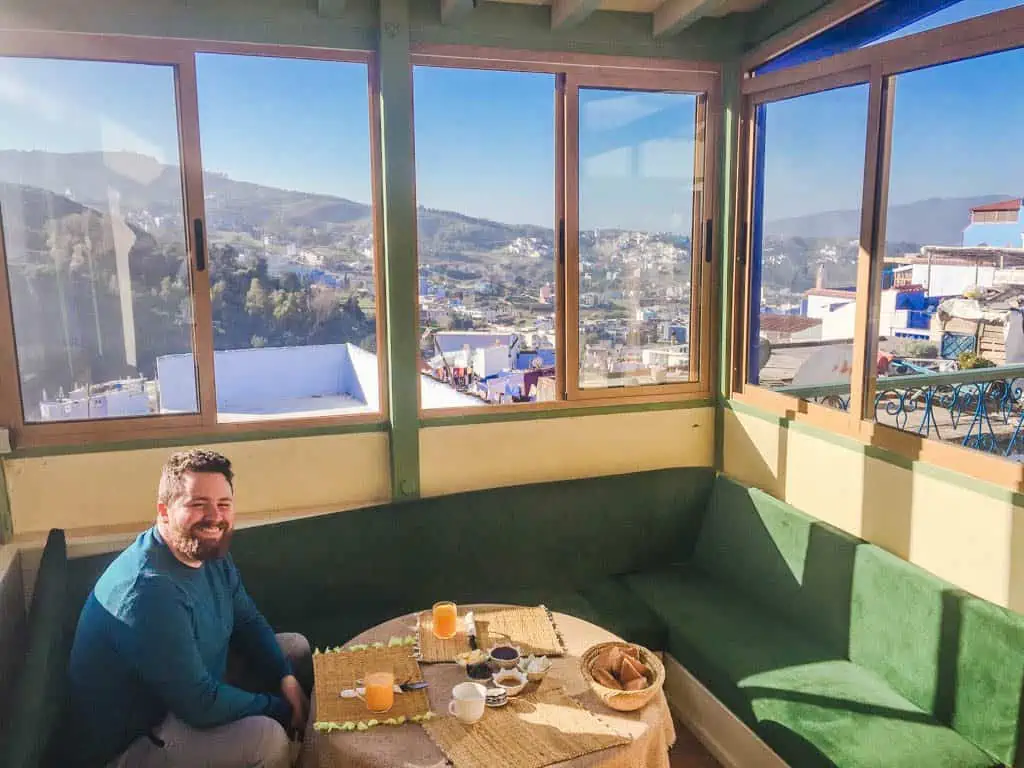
{"x":931,"y":403}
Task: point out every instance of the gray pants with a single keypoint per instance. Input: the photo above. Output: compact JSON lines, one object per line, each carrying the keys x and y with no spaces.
{"x":252,"y":742}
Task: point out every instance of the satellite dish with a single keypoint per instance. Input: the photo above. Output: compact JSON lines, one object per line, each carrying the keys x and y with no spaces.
{"x":828,"y":365}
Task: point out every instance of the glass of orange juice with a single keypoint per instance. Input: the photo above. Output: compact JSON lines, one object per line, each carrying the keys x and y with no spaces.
{"x":445,"y":620}
{"x":380,"y":691}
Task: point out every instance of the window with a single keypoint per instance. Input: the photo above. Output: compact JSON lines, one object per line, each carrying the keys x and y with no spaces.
{"x":950,"y":338}
{"x":94,"y":238}
{"x":883,"y":22}
{"x":636,"y":279}
{"x":806,"y":238}
{"x":485,"y":185}
{"x":290,"y":227}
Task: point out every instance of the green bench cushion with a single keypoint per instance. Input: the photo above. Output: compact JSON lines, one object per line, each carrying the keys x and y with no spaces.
{"x":40,"y":687}
{"x":787,"y":561}
{"x":473,"y":546}
{"x":811,"y":706}
{"x":836,"y":713}
{"x":608,"y":603}
{"x":985,"y":692}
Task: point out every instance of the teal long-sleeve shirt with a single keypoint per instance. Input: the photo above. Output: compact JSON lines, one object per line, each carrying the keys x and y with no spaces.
{"x":153,"y":639}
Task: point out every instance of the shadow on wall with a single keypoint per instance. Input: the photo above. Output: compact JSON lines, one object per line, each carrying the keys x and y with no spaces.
{"x":750,"y":459}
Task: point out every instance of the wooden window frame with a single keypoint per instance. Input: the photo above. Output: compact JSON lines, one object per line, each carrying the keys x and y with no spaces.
{"x":570,"y":71}
{"x":180,"y":55}
{"x":878,"y":65}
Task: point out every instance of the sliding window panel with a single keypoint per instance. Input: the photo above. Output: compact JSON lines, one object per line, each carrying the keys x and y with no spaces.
{"x":95,"y":248}
{"x":639,"y":218}
{"x":807,"y":185}
{"x":290,"y":225}
{"x":487,"y":247}
{"x":950,"y":363}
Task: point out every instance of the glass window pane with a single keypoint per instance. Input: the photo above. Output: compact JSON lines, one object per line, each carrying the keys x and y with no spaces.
{"x":883,"y":22}
{"x":287,"y":180}
{"x":485,"y":157}
{"x":951,"y":344}
{"x":806,"y":243}
{"x":94,"y":235}
{"x":636,"y":179}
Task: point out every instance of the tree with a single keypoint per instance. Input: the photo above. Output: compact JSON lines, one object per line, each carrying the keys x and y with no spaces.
{"x":256,"y":298}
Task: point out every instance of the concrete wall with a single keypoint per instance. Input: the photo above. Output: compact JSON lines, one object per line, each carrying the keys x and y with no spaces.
{"x":114,"y":491}
{"x":88,"y":492}
{"x":470,"y":457}
{"x":963,"y":530}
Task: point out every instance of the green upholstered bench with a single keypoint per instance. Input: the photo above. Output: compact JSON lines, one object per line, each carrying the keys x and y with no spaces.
{"x":39,"y":686}
{"x":833,"y":651}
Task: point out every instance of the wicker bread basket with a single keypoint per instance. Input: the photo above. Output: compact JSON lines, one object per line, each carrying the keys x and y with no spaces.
{"x":624,"y":701}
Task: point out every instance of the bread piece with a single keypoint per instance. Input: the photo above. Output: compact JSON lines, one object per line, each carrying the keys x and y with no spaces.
{"x":604,"y":659}
{"x":631,"y":670}
{"x":637,"y":685}
{"x":605,"y":678}
{"x":631,"y":650}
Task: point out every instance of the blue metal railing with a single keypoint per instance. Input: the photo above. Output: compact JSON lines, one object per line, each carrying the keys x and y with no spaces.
{"x":980,"y":394}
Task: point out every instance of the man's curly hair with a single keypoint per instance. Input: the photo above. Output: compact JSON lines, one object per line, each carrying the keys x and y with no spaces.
{"x":195,"y":460}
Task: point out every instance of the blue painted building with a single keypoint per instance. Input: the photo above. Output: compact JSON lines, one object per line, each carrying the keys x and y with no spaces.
{"x":999,"y":225}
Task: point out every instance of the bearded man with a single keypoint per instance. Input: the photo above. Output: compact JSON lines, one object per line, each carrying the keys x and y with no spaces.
{"x":172,"y":663}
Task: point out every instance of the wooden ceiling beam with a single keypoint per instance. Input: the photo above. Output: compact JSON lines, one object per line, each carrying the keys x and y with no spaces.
{"x":566,"y":14}
{"x":453,"y":10}
{"x":673,"y":16}
{"x":330,"y":9}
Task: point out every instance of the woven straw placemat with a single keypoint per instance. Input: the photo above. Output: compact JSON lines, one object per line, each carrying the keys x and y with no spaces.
{"x":337,"y":670}
{"x":532,"y":630}
{"x":531,"y":731}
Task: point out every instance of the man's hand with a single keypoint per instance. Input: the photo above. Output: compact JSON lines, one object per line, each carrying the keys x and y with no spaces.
{"x":294,"y":695}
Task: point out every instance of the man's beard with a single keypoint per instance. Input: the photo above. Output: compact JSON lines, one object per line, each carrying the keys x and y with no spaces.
{"x":194,"y":547}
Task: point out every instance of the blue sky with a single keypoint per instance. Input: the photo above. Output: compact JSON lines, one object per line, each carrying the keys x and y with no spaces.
{"x":955,"y":133}
{"x":485,"y":145}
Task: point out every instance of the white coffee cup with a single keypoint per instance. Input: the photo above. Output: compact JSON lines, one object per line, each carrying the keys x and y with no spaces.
{"x":468,"y":701}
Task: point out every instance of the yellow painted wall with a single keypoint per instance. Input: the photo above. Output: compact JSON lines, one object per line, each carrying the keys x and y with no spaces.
{"x":971,"y":538}
{"x":470,"y":457}
{"x":118,"y":488}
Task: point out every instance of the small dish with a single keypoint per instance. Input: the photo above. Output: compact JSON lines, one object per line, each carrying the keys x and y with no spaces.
{"x":511,"y":680}
{"x":497,"y":697}
{"x":535,"y":667}
{"x":505,"y":656}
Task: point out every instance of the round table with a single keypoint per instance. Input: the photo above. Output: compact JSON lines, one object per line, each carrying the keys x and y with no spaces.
{"x":408,"y":746}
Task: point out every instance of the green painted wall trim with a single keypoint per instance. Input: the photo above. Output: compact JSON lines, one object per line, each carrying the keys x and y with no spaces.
{"x":197,"y":439}
{"x":776,"y":17}
{"x":561,"y":413}
{"x":874,"y":452}
{"x":398,"y":207}
{"x":728,"y":131}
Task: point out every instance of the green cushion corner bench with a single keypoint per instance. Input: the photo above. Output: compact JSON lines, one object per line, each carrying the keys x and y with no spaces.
{"x":833,"y":651}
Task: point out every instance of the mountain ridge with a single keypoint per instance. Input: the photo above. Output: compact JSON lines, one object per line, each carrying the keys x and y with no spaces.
{"x":933,"y":221}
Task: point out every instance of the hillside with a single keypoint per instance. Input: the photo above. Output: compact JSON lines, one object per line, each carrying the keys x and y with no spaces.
{"x":69,"y":265}
{"x":936,"y":221}
{"x":145,"y":184}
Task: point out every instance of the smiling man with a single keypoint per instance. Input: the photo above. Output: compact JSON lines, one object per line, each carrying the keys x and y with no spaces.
{"x":172,"y":663}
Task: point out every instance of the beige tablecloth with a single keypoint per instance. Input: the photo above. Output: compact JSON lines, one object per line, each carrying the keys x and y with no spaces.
{"x":407,"y":746}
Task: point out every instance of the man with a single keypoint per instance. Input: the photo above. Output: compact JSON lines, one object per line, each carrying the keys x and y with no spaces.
{"x":150,"y":658}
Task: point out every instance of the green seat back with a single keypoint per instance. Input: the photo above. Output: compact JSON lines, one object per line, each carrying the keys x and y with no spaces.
{"x":954,"y":655}
{"x":40,"y":687}
{"x":382,"y":561}
{"x":787,"y":561}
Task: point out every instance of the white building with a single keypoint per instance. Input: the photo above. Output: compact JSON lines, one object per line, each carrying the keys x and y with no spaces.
{"x":271,"y":382}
